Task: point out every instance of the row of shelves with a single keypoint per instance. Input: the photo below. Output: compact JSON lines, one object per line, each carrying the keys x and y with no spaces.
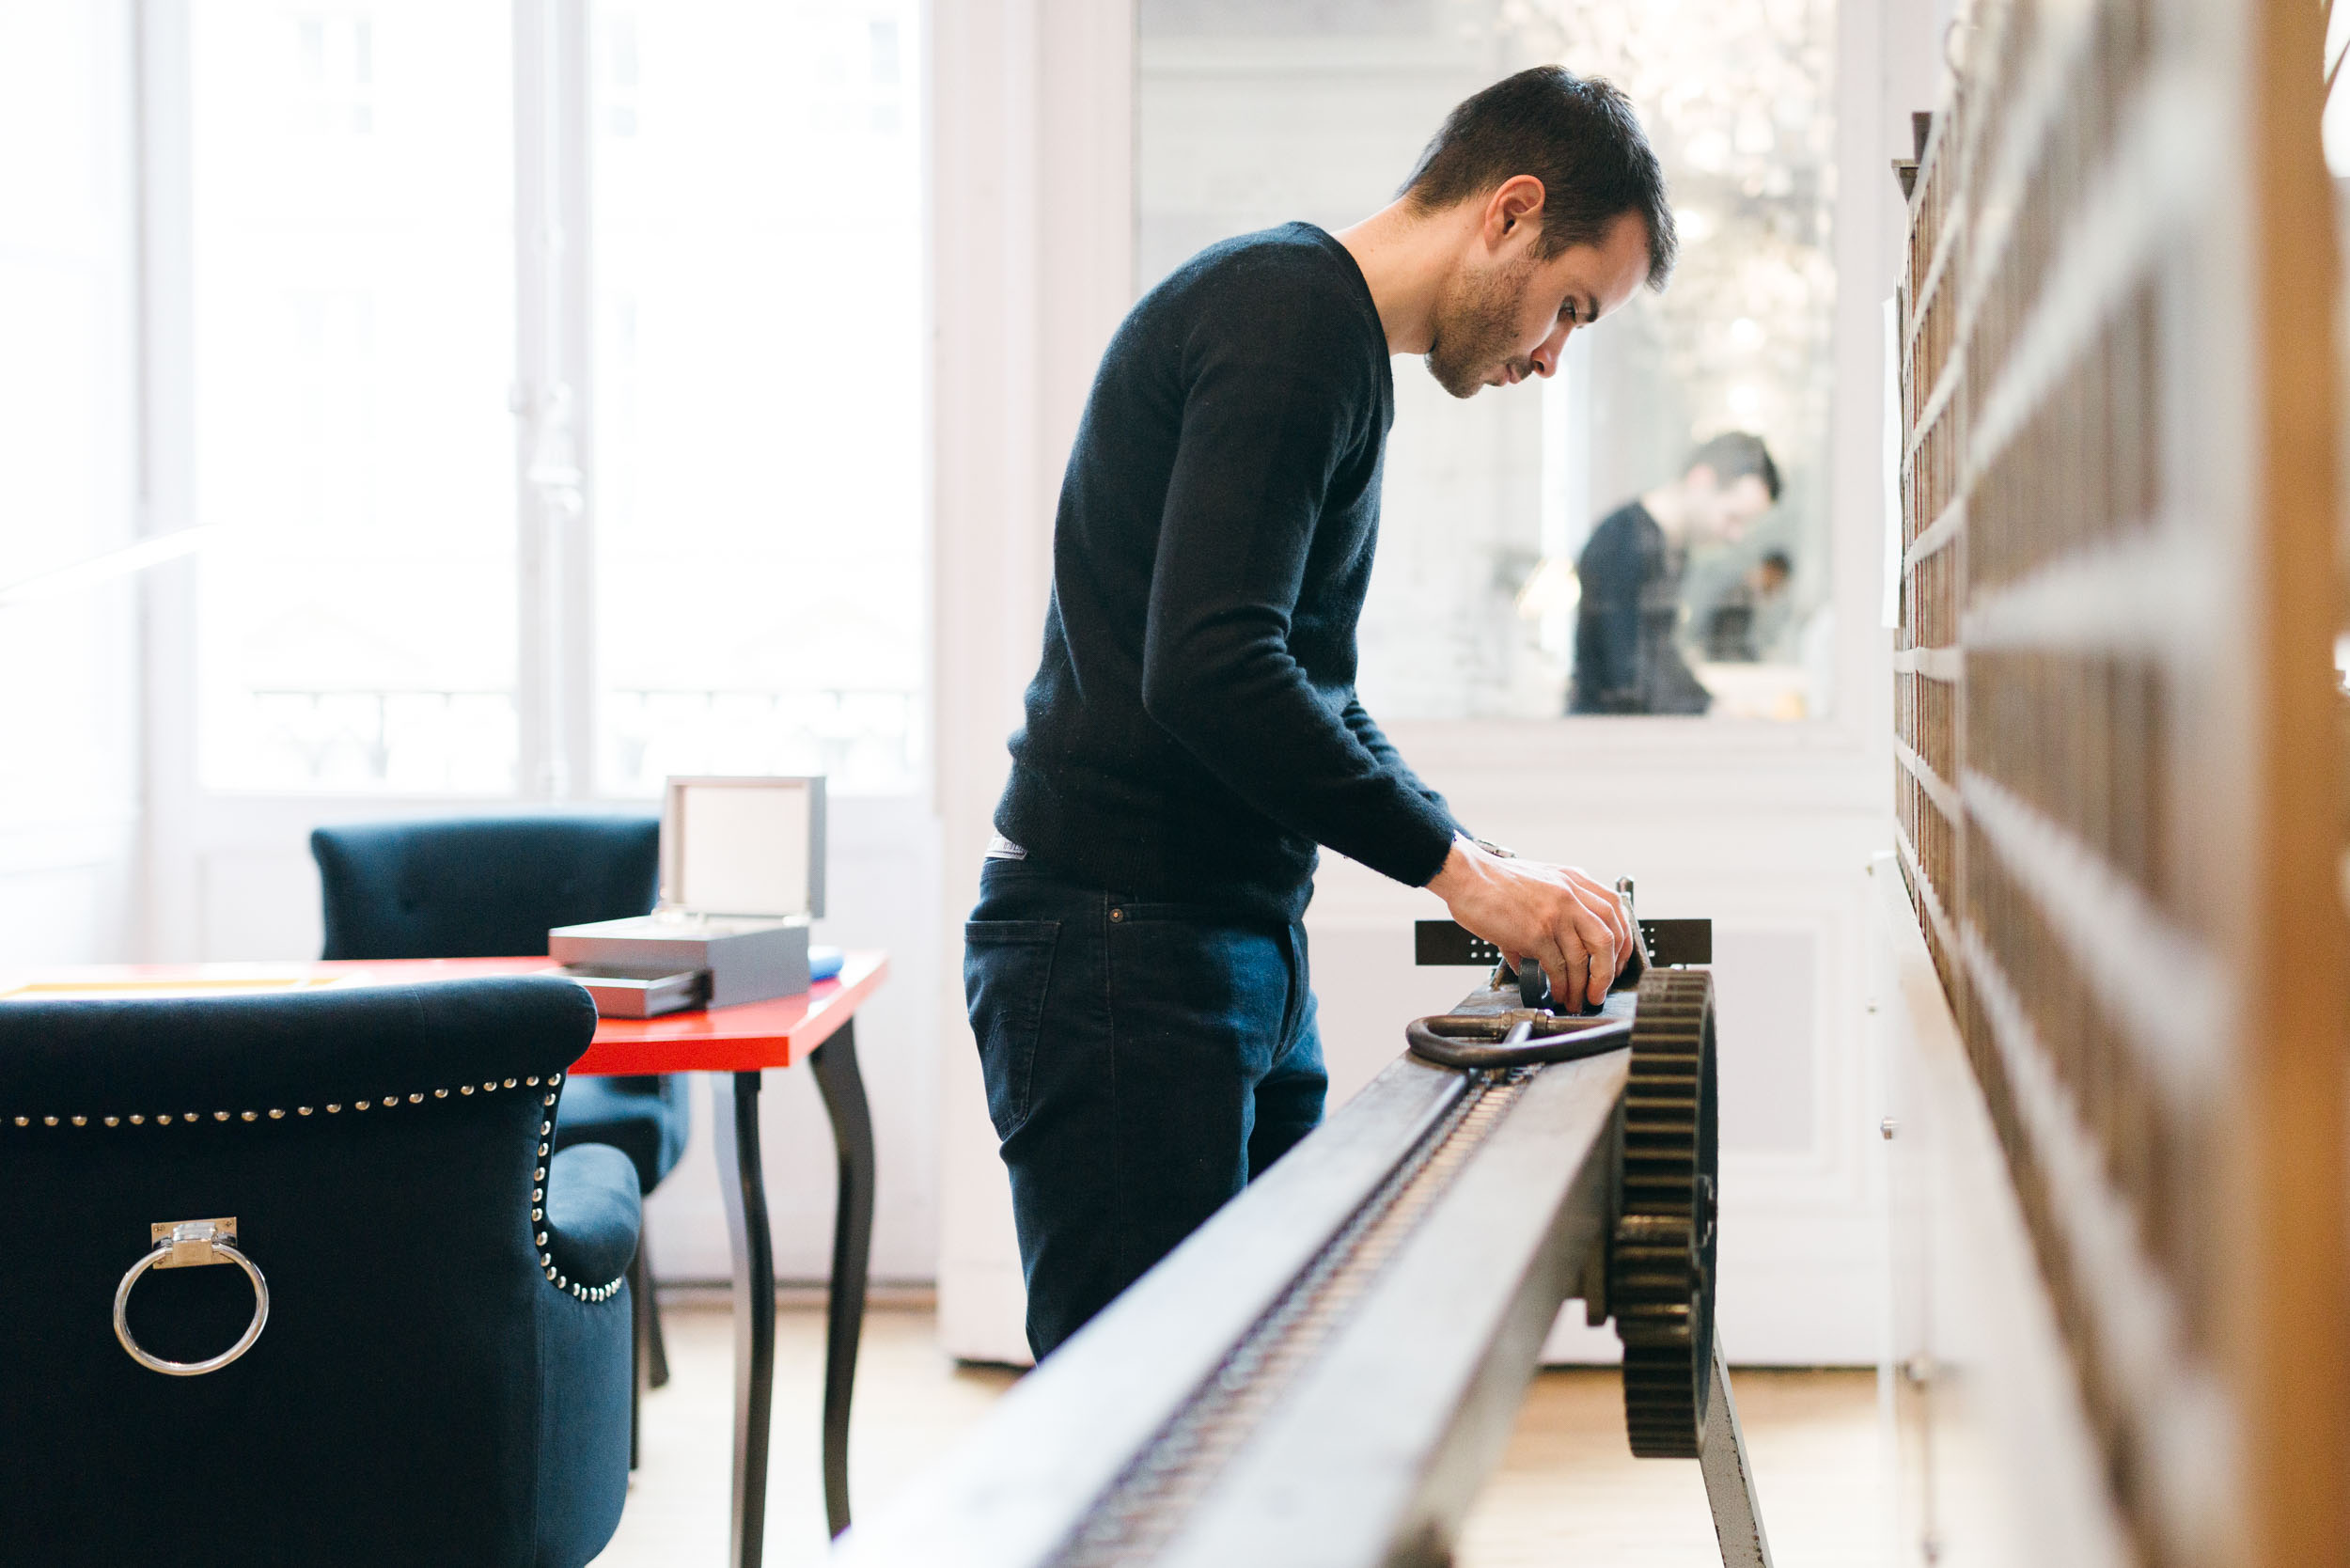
{"x":2048,"y":596}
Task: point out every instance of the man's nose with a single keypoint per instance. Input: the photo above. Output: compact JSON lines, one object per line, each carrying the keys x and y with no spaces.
{"x":1547,"y":355}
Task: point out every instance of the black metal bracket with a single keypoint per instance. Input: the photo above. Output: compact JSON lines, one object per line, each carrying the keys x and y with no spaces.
{"x":1671,"y":943}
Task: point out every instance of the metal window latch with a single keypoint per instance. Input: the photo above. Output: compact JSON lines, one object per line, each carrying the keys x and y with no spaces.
{"x":190,"y":1244}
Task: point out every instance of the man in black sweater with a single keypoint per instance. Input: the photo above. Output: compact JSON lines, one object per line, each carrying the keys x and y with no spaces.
{"x":1627,"y":625}
{"x":1135,"y":968}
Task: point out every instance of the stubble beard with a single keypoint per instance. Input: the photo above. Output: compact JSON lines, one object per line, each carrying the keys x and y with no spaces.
{"x":1477,"y":327}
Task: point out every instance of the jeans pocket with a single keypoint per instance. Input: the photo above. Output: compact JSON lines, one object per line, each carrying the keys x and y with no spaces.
{"x":1006,"y":971}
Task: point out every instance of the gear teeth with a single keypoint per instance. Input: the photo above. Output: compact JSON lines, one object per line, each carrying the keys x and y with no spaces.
{"x":1660,"y":1267}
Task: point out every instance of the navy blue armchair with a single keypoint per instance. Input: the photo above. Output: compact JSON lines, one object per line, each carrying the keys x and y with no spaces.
{"x":443,"y":1372}
{"x":480,"y":886}
{"x":492,"y":888}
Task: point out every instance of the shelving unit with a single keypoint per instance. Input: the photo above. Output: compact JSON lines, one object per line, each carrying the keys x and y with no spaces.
{"x":2114,"y":771}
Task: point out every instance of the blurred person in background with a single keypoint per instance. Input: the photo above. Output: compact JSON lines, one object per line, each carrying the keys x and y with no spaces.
{"x":1747,"y":623}
{"x":1627,"y":658}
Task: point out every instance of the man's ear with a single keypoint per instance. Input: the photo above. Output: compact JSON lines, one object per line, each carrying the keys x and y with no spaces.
{"x":1514,"y":208}
{"x":1713,"y":480}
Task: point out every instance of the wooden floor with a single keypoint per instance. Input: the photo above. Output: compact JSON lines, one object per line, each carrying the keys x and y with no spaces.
{"x":1567,"y":1494}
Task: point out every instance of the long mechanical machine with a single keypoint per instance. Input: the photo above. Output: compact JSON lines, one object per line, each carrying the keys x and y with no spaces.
{"x":1324,"y":1375}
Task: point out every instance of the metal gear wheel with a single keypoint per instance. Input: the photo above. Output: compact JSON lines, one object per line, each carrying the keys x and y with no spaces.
{"x":1660,"y":1269}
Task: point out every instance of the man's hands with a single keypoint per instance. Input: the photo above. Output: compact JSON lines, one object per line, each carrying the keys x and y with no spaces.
{"x":1554,"y":916}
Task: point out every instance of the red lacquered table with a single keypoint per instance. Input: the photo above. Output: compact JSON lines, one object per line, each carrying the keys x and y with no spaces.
{"x":735,"y":1044}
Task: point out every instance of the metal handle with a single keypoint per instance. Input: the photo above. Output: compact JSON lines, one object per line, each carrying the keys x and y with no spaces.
{"x":1514,"y":1039}
{"x":192,"y":1243}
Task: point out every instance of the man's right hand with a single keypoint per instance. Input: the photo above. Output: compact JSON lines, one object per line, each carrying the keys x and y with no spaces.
{"x":1555,"y":916}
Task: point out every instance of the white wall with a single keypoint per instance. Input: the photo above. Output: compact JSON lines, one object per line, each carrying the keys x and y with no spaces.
{"x":1032,"y":248}
{"x":69,"y":482}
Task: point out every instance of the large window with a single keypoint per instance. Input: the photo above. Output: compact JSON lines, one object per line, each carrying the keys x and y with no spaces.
{"x":351,"y":202}
{"x":1256,"y":112}
{"x":758,"y":283}
{"x":557,"y":393}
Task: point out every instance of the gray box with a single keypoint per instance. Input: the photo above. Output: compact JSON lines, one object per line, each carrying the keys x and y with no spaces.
{"x":746,"y":960}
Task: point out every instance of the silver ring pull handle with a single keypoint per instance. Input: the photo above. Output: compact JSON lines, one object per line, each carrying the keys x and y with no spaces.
{"x":192,"y":1243}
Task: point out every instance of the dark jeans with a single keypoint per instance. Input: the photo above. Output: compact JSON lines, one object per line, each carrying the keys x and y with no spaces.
{"x":1144,"y":1062}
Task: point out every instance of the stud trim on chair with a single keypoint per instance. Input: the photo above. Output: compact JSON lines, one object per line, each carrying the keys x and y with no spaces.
{"x":538,"y":1176}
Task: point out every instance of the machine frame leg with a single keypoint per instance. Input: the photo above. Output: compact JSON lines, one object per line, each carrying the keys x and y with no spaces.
{"x":1729,"y":1478}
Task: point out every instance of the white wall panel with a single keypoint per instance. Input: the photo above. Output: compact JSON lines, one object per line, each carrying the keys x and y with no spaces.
{"x":66,"y":891}
{"x":259,"y":904}
{"x":1032,"y":261}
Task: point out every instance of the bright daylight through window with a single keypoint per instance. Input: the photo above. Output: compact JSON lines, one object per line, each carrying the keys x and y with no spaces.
{"x":759,"y":267}
{"x":751,"y":391}
{"x":353,"y":344}
{"x":1256,"y":112}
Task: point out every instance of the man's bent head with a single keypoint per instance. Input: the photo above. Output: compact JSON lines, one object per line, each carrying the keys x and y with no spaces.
{"x":1564,"y":215}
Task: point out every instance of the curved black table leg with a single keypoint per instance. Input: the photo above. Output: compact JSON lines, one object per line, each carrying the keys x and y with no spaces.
{"x":838,"y":1079}
{"x":743,"y":1184}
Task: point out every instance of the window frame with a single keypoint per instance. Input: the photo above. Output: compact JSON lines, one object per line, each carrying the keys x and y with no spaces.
{"x":552,"y":403}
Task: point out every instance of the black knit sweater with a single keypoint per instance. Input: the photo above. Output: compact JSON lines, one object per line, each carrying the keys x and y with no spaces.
{"x":1193,"y":731}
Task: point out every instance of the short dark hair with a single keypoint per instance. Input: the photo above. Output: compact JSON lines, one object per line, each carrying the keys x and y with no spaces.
{"x":1781,"y":560}
{"x":1734,"y":454}
{"x":1577,"y":135}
